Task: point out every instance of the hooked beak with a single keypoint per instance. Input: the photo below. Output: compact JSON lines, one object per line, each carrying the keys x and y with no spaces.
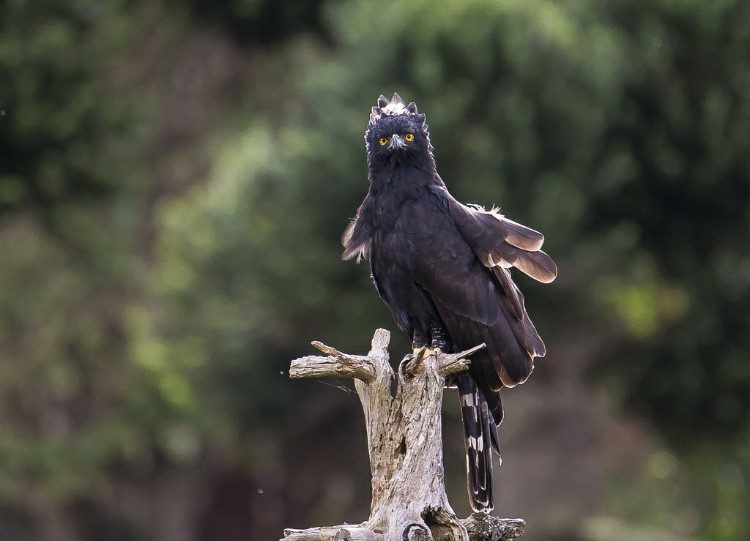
{"x":396,"y":143}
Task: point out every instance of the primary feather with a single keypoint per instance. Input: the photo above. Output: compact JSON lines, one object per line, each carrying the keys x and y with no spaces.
{"x":443,"y":267}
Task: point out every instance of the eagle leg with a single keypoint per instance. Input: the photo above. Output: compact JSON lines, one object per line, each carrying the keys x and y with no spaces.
{"x":441,"y":342}
{"x":439,"y":338}
{"x":437,"y":341}
{"x":419,"y":341}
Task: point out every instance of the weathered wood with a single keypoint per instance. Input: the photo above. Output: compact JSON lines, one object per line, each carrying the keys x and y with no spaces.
{"x":402,"y":412}
{"x":480,"y":527}
{"x":337,"y":364}
{"x":484,"y":527}
{"x":332,"y":533}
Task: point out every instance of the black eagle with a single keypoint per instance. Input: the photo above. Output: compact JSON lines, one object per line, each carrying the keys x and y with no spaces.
{"x":442,"y":268}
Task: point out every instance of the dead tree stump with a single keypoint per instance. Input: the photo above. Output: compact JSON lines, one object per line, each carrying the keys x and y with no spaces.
{"x":403,"y":420}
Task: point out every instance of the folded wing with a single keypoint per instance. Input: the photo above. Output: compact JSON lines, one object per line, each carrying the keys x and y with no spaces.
{"x":477,"y":298}
{"x":500,"y":242}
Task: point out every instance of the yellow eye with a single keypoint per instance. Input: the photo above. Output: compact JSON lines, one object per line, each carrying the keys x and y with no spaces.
{"x":409,"y":137}
{"x":383,"y":141}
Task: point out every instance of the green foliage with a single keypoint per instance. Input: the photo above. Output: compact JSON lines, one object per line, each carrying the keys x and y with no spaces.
{"x":260,"y":21}
{"x":54,"y":122}
{"x":163,"y":259}
{"x":90,"y":400}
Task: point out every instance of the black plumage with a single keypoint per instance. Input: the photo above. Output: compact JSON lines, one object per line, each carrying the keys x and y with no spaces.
{"x":442,"y":268}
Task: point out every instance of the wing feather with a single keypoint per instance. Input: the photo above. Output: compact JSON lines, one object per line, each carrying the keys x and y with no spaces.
{"x":357,"y":237}
{"x":523,"y":329}
{"x":513,"y":297}
{"x":538,"y":265}
{"x":476,"y":297}
{"x":519,"y":235}
{"x":500,"y":242}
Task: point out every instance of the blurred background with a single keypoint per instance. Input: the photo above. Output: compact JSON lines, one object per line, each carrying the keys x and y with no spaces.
{"x":174,"y":179}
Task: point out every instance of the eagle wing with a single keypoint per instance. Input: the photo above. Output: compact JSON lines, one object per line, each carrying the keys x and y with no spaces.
{"x":357,"y":237}
{"x":500,"y":242}
{"x":468,"y":279}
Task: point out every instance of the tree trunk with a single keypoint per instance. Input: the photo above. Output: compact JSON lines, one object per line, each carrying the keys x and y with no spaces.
{"x":403,"y":420}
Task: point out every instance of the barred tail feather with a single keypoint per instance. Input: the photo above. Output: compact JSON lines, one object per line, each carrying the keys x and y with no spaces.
{"x":480,"y":437}
{"x":495,"y":405}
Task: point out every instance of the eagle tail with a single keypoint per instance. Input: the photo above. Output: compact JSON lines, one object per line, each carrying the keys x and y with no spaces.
{"x":495,"y":407}
{"x":480,"y":437}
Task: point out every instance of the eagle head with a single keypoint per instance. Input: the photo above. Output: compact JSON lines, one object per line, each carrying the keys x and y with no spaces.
{"x":396,"y":132}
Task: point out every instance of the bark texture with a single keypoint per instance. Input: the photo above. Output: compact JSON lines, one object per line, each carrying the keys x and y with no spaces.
{"x":403,"y":421}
